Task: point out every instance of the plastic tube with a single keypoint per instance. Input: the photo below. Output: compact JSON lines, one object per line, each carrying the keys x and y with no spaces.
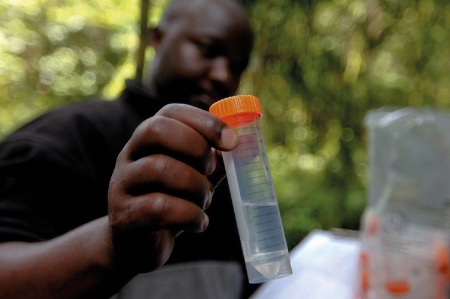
{"x":255,"y":204}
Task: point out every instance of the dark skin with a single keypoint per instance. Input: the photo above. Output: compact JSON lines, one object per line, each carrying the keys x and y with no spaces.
{"x":160,"y":187}
{"x":214,"y":45}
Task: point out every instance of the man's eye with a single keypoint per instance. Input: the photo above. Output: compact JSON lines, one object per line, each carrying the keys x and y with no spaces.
{"x":207,"y":50}
{"x":204,"y":49}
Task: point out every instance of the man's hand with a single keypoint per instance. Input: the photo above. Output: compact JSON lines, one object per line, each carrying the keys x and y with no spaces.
{"x":163,"y":182}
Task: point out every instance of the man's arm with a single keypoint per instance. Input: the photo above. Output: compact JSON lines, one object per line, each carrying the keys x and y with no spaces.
{"x":75,"y":265}
{"x":161,"y":184}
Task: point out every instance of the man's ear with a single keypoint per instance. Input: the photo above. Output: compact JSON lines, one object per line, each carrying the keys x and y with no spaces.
{"x":155,"y":35}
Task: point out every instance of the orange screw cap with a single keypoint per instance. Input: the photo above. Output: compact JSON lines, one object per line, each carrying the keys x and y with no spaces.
{"x":236,"y":105}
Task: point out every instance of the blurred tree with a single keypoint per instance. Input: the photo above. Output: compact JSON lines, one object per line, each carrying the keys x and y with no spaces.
{"x":318,"y":67}
{"x":58,"y":52}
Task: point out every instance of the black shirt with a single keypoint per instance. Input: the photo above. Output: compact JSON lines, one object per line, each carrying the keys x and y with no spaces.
{"x":55,"y":171}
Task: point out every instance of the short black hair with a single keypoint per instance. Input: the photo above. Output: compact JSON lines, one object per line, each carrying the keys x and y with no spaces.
{"x":173,"y":8}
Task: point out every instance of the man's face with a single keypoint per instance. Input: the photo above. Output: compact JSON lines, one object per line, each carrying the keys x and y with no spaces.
{"x":200,"y":56}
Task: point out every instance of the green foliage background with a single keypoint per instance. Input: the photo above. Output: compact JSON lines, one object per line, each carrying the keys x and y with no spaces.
{"x":318,"y":67}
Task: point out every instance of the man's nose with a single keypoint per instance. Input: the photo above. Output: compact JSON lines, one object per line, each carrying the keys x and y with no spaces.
{"x":221,"y":72}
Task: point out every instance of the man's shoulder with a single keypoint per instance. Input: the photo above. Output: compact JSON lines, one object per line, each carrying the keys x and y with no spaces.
{"x":94,"y":122}
{"x":93,"y":109}
{"x":77,"y":118}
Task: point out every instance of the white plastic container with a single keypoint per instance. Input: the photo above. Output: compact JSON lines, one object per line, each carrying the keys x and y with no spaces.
{"x":405,"y":245}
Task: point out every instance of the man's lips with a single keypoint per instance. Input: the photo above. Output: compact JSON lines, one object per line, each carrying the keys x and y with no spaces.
{"x":209,"y":97}
{"x":205,"y":97}
{"x":204,"y":101}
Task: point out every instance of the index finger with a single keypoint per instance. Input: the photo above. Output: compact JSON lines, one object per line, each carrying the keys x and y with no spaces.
{"x":218,"y":134}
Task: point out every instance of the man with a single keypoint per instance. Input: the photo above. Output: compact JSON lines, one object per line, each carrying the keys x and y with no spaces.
{"x":93,"y":194}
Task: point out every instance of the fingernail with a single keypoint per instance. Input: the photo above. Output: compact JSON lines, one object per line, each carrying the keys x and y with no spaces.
{"x":209,"y":196}
{"x":211,"y":167}
{"x":205,"y":222}
{"x":229,"y":137}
